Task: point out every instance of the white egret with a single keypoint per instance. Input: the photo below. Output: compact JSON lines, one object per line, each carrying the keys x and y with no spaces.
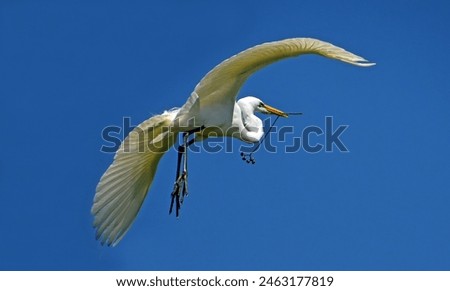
{"x":211,"y":109}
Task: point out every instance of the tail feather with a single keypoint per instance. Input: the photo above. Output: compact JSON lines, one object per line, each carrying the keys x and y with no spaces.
{"x":124,"y":186}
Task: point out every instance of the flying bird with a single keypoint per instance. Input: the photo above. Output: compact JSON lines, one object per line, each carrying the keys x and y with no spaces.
{"x":211,"y":110}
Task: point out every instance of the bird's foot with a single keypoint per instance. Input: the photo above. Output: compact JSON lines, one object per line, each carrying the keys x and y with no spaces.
{"x":248,"y":157}
{"x":180,"y":190}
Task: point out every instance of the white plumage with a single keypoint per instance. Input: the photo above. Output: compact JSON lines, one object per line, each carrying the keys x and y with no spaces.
{"x":212,"y":106}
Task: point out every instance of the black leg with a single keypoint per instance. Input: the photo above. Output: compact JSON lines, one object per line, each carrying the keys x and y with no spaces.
{"x":184,"y":172}
{"x":180,"y":186}
{"x":181,"y":150}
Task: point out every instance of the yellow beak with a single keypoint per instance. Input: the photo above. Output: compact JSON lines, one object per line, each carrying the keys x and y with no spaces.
{"x":275,"y":111}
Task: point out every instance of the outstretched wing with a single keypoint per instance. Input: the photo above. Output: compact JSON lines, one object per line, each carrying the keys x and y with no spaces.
{"x":222,"y":84}
{"x":124,"y":185}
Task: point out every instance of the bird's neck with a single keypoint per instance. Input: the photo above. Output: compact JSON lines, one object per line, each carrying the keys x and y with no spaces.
{"x":250,"y":128}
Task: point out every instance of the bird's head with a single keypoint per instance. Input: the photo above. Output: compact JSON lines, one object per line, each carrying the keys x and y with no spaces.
{"x":257,"y":105}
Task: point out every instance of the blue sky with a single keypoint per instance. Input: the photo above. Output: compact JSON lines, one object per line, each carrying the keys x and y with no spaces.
{"x":68,"y":70}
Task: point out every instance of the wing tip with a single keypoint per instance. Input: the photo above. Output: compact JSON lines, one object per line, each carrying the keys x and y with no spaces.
{"x":106,"y":239}
{"x":364,"y":63}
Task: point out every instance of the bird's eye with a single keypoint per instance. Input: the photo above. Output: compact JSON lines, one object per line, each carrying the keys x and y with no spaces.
{"x":261,"y":104}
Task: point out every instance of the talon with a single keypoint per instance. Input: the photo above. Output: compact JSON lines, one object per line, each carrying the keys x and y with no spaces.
{"x":177,"y":210}
{"x":171,"y":205}
{"x":178,"y":193}
{"x":185,"y":190}
{"x":174,"y":194}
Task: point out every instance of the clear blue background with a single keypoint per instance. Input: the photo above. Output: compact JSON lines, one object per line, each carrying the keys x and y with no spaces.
{"x":69,"y":69}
